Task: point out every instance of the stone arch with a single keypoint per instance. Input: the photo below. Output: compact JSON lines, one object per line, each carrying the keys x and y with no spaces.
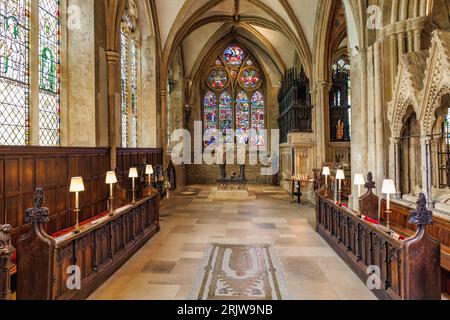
{"x":437,"y":80}
{"x":407,"y":90}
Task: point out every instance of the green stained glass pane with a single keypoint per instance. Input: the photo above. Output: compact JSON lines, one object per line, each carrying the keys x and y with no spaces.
{"x":49,"y":72}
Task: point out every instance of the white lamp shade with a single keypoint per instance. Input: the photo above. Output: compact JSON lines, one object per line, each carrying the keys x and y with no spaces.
{"x":76,"y":184}
{"x":388,"y":187}
{"x":326,"y":171}
{"x":149,"y":169}
{"x":111,"y":177}
{"x":359,"y":180}
{"x":133,"y":173}
{"x":340,"y":175}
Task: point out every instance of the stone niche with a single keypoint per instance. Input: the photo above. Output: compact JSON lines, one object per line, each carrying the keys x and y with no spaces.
{"x":298,"y":158}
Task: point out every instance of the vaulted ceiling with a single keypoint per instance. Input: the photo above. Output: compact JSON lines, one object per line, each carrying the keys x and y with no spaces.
{"x":277,"y":31}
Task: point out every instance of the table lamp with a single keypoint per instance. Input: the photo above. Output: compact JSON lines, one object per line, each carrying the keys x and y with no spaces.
{"x":340,"y":175}
{"x":149,"y":171}
{"x":388,"y":189}
{"x":133,"y":175}
{"x":111,"y":179}
{"x":359,"y":181}
{"x":77,"y":186}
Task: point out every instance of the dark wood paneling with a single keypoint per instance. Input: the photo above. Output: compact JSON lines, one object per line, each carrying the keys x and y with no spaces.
{"x":23,"y":169}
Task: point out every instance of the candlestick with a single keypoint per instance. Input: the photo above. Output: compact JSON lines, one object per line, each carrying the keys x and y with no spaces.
{"x":111,"y":179}
{"x":388,"y":189}
{"x":133,"y":175}
{"x":77,"y":186}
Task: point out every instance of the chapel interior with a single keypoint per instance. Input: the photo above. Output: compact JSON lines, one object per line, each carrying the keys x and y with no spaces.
{"x":109,"y":110}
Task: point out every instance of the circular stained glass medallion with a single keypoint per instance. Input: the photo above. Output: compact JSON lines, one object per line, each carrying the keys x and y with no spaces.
{"x":218,"y":78}
{"x":250,"y":78}
{"x":234,"y":56}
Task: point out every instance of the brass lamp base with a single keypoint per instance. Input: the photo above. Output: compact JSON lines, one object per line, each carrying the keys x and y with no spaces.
{"x":77,"y":223}
{"x":111,"y":206}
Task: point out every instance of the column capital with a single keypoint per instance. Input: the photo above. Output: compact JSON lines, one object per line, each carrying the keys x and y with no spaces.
{"x":323,"y":85}
{"x":112,"y":56}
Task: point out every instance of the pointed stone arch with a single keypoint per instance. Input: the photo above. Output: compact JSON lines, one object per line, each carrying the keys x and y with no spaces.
{"x":408,"y":87}
{"x":437,"y":80}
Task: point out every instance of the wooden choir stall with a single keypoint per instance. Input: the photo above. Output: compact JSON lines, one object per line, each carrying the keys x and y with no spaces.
{"x":61,"y":249}
{"x":409,"y":267}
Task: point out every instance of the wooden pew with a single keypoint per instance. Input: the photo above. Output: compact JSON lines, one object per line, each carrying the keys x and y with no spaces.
{"x":440,"y":229}
{"x":104,"y":244}
{"x":410,"y":269}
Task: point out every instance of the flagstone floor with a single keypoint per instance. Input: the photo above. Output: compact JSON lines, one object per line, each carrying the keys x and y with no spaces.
{"x":166,"y":266}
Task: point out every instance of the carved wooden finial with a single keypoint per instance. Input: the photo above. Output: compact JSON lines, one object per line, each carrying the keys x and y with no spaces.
{"x":422,"y":216}
{"x":5,"y":235}
{"x":370,"y":184}
{"x":38,"y":214}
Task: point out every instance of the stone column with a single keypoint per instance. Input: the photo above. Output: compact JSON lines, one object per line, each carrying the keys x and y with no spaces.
{"x":397,"y":159}
{"x":322,"y":125}
{"x":363,"y":104}
{"x":112,"y":58}
{"x":426,"y":170}
{"x":379,"y":115}
{"x":34,"y":75}
{"x":390,"y":34}
{"x":6,"y":250}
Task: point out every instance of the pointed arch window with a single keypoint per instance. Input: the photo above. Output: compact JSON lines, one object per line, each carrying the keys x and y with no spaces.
{"x":15,"y":85}
{"x":235,"y":79}
{"x":129,"y":41}
{"x":340,"y":101}
{"x":49,"y":72}
{"x":14,"y":72}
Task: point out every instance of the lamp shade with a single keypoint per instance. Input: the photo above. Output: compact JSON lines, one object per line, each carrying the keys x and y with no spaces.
{"x":359,"y":180}
{"x":76,"y":184}
{"x":133,"y":173}
{"x":326,"y":171}
{"x":111,"y":177}
{"x":149,"y":169}
{"x":340,"y":175}
{"x":388,"y":187}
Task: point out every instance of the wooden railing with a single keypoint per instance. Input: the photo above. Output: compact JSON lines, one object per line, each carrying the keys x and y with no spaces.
{"x":409,"y":269}
{"x":72,"y":266}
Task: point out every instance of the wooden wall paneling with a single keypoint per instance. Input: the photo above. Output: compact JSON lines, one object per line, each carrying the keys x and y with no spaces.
{"x":2,"y":190}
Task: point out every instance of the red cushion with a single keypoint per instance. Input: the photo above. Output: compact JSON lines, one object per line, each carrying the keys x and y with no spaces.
{"x":371,"y":220}
{"x":14,"y":257}
{"x":71,"y":229}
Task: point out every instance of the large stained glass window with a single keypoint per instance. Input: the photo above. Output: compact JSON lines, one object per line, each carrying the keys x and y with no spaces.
{"x":134,"y":91}
{"x":225,"y":115}
{"x":124,"y":85}
{"x":49,"y":76}
{"x":242,"y":117}
{"x":129,"y":77}
{"x":14,"y":72}
{"x":258,"y":118}
{"x":235,"y":80}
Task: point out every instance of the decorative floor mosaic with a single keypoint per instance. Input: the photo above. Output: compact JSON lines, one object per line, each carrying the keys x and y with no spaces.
{"x":242,"y":272}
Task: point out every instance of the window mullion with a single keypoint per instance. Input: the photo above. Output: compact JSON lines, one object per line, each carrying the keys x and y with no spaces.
{"x":34,"y":74}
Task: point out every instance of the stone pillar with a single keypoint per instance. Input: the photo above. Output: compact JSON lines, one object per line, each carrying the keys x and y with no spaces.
{"x":426,"y":170}
{"x":392,"y":52}
{"x":363,"y":104}
{"x":112,"y":58}
{"x":397,"y":159}
{"x":322,"y":125}
{"x":379,"y":115}
{"x":164,"y":128}
{"x":34,"y":76}
{"x":6,"y":250}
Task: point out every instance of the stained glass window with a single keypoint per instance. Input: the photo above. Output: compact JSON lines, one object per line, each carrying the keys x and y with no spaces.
{"x":124,"y":83}
{"x":225,"y":115}
{"x":234,"y":56}
{"x":14,"y":72}
{"x":257,"y":116}
{"x":129,"y":76}
{"x":250,"y":78}
{"x":447,"y":127}
{"x":234,"y":79}
{"x":134,"y":92}
{"x":49,"y":66}
{"x":242,"y":117}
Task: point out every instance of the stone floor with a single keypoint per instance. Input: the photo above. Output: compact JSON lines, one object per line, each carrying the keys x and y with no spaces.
{"x":166,"y":266}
